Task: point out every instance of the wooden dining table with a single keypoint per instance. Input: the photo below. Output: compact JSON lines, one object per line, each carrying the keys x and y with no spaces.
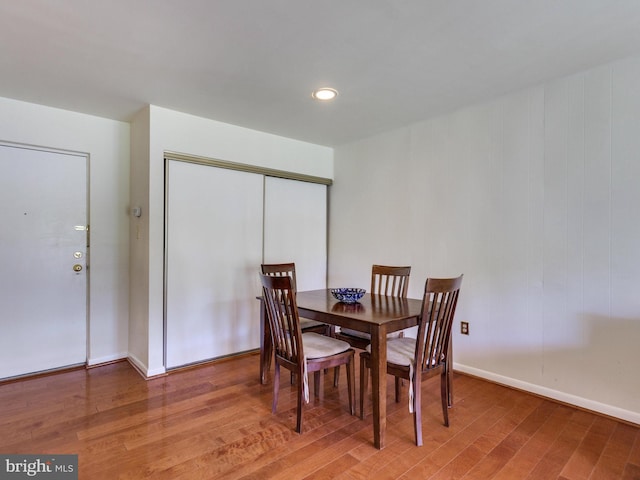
{"x":377,"y":315}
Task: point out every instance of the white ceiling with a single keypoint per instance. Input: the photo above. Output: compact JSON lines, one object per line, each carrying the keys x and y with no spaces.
{"x":254,"y":63}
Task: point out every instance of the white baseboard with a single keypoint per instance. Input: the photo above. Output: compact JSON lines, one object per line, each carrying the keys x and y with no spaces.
{"x":609,"y":410}
{"x":91,"y":362}
{"x":142,"y":369}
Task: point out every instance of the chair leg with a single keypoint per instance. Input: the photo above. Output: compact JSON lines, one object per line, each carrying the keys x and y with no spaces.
{"x":364,"y":377}
{"x":417,"y":409}
{"x":398,"y":384}
{"x":444,"y":394}
{"x":276,"y":386}
{"x":351,"y":374}
{"x":449,"y":385}
{"x":300,"y":403}
{"x":317,"y":385}
{"x":336,"y":377}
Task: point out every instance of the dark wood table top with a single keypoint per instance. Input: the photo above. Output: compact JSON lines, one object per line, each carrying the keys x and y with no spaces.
{"x":392,"y":313}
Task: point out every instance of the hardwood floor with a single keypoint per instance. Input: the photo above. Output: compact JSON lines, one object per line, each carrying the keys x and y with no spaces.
{"x":215,"y":422}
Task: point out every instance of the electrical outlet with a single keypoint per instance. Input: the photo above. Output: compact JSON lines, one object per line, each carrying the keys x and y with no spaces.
{"x":464,"y":328}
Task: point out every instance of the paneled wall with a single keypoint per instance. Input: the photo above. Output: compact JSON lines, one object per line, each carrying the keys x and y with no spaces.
{"x":534,"y":197}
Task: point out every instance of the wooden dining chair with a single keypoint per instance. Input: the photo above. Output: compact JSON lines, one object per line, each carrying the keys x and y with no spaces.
{"x":417,"y":359}
{"x":385,"y":280}
{"x":289,"y":269}
{"x":306,"y":324}
{"x":301,"y":353}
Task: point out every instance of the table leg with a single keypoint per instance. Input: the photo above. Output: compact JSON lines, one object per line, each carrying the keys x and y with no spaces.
{"x":379,"y":384}
{"x":266,"y":349}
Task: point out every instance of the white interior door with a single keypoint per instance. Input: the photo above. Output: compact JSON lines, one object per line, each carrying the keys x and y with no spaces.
{"x":296,"y":229}
{"x":43,"y":300}
{"x":213,"y":255}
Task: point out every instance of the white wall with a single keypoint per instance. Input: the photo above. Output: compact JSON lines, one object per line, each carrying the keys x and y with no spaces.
{"x":534,"y":197}
{"x":139,"y":241}
{"x":107,"y":143}
{"x":167,"y":130}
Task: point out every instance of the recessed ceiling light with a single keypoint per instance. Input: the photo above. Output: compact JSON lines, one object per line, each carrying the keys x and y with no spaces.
{"x":325,"y":94}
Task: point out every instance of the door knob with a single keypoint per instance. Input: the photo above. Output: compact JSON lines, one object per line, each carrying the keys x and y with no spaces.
{"x":77,"y":267}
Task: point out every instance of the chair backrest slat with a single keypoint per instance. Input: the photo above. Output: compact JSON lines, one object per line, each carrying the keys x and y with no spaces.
{"x":281,"y":270}
{"x":282,"y":313}
{"x":390,"y":280}
{"x":434,"y":330}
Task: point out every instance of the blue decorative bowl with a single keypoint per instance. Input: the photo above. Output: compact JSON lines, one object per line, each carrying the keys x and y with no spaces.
{"x":348,"y":295}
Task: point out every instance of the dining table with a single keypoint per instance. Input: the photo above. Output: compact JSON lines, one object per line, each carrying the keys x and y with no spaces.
{"x":377,"y":315}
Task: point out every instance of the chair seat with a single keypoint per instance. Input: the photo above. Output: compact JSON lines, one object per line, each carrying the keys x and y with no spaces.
{"x":307,"y":323}
{"x":318,"y":346}
{"x":365,"y":335}
{"x":355,"y":333}
{"x":400,"y":351}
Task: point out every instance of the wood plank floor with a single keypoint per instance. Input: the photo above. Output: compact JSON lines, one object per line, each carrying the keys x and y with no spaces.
{"x":215,"y":422}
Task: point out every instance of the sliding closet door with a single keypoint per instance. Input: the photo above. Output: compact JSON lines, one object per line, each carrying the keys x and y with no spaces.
{"x":213,"y":254}
{"x":296,"y":229}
